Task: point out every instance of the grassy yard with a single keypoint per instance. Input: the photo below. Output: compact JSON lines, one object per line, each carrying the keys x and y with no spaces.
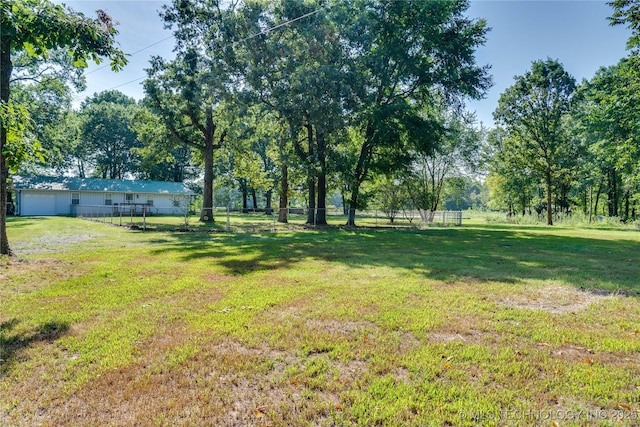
{"x":475,"y":325}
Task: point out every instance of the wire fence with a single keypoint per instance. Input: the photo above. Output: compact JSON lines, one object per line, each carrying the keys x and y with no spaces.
{"x":252,"y":220}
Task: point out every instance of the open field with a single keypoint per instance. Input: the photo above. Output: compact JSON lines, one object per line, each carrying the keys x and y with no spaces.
{"x":474,"y":325}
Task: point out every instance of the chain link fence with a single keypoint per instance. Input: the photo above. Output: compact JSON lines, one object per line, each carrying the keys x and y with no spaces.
{"x":144,"y":217}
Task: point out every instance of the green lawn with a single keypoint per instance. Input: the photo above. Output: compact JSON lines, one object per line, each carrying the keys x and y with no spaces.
{"x":474,"y":325}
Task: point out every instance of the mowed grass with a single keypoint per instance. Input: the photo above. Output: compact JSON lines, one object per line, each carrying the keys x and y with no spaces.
{"x":474,"y":325}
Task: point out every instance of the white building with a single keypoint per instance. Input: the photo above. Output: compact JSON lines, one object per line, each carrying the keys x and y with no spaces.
{"x":40,"y":196}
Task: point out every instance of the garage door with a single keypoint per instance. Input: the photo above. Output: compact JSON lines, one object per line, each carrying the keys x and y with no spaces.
{"x":37,"y":203}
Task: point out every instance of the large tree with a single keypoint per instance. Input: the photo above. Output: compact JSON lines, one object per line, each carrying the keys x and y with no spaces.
{"x":405,"y":56}
{"x":193,"y":94}
{"x":532,"y":111}
{"x":180,"y":93}
{"x":162,"y":158}
{"x":305,"y":87}
{"x":37,"y":26}
{"x":107,"y":131}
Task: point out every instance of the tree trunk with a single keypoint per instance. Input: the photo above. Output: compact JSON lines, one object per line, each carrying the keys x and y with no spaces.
{"x":595,"y":207}
{"x":178,"y":173}
{"x":206,"y":215}
{"x":209,"y":131}
{"x":254,"y":199}
{"x":311,"y":179}
{"x":590,"y":202}
{"x":80,"y":165}
{"x":245,"y":196}
{"x":584,"y":201}
{"x":351,"y":218}
{"x":360,"y":173}
{"x":267,"y":203}
{"x":549,"y":195}
{"x":4,"y":241}
{"x":612,"y":202}
{"x":345,"y":210}
{"x":311,"y":212}
{"x":5,"y":75}
{"x":626,"y":206}
{"x":284,"y":195}
{"x":321,"y":216}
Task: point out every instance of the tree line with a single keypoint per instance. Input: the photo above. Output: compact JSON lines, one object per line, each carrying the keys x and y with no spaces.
{"x":364,"y":99}
{"x":275,"y":96}
{"x":559,"y":145}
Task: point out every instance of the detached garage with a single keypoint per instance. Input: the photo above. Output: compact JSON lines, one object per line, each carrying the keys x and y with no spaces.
{"x":46,"y":196}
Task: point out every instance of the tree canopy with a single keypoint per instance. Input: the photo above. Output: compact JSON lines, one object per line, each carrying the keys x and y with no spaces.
{"x":532,"y":110}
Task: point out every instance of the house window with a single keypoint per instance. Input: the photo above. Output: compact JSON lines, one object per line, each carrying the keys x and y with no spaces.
{"x":149,"y":201}
{"x":75,"y":198}
{"x":107,"y":199}
{"x":176,"y":203}
{"x":128,"y":198}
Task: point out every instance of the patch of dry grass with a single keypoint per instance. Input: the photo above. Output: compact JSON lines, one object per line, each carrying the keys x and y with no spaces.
{"x":556,"y":299}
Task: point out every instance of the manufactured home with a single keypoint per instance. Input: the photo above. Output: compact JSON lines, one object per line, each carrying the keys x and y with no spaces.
{"x":46,"y":196}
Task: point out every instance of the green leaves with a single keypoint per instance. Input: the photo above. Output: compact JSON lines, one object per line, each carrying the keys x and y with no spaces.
{"x":532,"y":112}
{"x":39,"y":25}
{"x":627,"y":12}
{"x":20,"y":144}
{"x":106,"y":131}
{"x":608,"y":115}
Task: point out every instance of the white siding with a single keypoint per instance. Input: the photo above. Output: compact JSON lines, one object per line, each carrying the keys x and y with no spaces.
{"x":41,"y":202}
{"x":63,"y":203}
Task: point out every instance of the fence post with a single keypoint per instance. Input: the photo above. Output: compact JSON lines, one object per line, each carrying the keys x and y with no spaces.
{"x":228,"y":221}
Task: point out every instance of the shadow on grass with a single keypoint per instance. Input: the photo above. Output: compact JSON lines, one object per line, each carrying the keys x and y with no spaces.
{"x":23,"y":222}
{"x":10,"y":344}
{"x":485,"y":253}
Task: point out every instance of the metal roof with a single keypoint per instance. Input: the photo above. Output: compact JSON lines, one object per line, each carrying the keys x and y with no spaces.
{"x":64,"y":183}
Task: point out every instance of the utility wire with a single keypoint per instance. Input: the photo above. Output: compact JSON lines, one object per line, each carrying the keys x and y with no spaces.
{"x":268,"y":30}
{"x":131,"y":54}
{"x":252,"y":36}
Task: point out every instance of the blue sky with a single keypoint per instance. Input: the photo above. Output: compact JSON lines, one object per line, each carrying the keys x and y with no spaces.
{"x":575,"y":32}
